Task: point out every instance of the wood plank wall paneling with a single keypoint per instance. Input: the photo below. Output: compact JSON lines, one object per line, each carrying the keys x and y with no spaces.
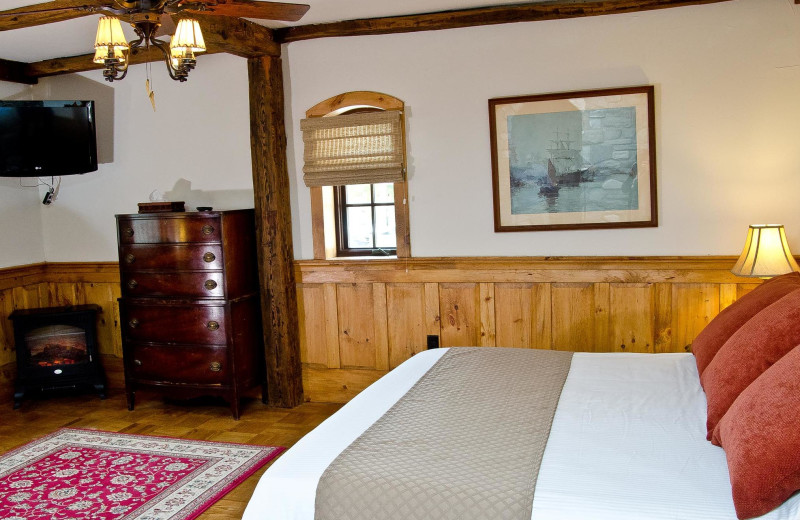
{"x":360,"y":318}
{"x":52,"y":285}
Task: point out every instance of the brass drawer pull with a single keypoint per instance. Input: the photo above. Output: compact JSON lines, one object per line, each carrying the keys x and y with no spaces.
{"x":133,"y":323}
{"x":216,"y":366}
{"x":137,"y":362}
{"x":210,"y":285}
{"x":209,"y":257}
{"x":129,"y":258}
{"x":212,"y":325}
{"x":207,"y":230}
{"x":132,"y":284}
{"x":128,"y":232}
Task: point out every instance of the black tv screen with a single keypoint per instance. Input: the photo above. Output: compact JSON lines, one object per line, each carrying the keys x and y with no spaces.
{"x":47,"y":138}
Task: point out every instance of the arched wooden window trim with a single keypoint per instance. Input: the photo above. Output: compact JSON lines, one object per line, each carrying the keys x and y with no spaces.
{"x":322,"y":206}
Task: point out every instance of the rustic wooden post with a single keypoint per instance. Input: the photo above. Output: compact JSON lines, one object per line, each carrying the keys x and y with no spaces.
{"x":274,"y":232}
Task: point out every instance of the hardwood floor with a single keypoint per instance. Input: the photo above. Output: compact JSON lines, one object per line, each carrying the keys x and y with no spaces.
{"x":207,"y":419}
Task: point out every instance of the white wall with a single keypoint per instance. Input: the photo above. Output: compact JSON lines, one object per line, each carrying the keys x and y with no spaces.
{"x":20,"y":220}
{"x":195,"y":148}
{"x":727,"y":80}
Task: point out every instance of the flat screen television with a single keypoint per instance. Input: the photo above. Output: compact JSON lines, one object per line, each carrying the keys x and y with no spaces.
{"x":47,"y":138}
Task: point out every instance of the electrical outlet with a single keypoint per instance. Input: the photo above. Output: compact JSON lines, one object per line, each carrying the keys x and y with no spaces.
{"x":433,"y":341}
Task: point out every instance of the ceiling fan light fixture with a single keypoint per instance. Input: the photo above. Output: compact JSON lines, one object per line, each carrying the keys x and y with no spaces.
{"x":111,"y":48}
{"x":188,"y":36}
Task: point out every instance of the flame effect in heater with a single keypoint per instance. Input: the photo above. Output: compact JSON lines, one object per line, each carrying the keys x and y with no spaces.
{"x":57,"y":345}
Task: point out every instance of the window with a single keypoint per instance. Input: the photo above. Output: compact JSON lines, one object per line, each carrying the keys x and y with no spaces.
{"x":354,"y":165}
{"x":365,"y":219}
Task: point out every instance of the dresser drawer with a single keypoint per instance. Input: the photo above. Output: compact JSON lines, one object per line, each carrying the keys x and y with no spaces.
{"x":173,"y":285}
{"x":197,"y":365}
{"x":174,"y":323}
{"x":181,"y":257}
{"x":168,"y":230}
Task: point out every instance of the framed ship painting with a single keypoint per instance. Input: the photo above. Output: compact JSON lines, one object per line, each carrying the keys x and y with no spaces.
{"x":576,"y":160}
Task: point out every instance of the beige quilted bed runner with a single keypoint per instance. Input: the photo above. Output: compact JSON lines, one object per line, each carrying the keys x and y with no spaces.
{"x":465,"y":443}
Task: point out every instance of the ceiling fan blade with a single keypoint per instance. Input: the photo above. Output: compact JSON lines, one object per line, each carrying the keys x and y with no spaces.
{"x":167,"y":27}
{"x":256,"y":9}
{"x":49,"y":12}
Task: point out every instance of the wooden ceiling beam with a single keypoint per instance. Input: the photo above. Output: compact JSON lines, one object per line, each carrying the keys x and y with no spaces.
{"x":237,"y":36}
{"x":529,"y":12}
{"x":15,"y":71}
{"x":48,"y":12}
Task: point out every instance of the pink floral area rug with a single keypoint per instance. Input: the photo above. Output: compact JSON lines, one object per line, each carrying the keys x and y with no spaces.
{"x":85,"y":474}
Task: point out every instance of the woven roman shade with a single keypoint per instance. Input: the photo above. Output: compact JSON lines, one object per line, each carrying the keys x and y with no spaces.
{"x":364,"y":148}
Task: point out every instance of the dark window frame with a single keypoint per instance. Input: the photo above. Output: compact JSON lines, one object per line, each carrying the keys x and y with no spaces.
{"x":341,"y":205}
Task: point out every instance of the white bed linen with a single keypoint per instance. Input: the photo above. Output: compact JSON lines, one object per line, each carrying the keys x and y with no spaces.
{"x":627,"y":442}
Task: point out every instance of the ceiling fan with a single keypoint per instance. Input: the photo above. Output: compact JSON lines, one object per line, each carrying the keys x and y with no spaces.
{"x":151,"y":19}
{"x":265,"y":10}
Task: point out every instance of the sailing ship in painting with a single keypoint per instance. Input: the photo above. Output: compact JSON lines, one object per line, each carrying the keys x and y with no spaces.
{"x":564,"y":166}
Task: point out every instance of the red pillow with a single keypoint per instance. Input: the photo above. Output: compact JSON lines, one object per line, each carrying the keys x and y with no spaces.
{"x":752,"y":349}
{"x":715,"y":334}
{"x":761,"y":437}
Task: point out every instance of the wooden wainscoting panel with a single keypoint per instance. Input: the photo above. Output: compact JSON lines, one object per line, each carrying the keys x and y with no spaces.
{"x":662,"y":310}
{"x":514,"y":315}
{"x":107,"y":325}
{"x":460,"y":314}
{"x":311,"y":310}
{"x":631,"y":317}
{"x":603,"y":340}
{"x":114,"y":321}
{"x":542,"y":333}
{"x":744,"y":288}
{"x":7,"y":337}
{"x":356,"y":325}
{"x":332,"y":326}
{"x":727,"y":295}
{"x":380,"y":320}
{"x":594,"y":304}
{"x":433,"y":321}
{"x":573,"y":317}
{"x":405,"y":304}
{"x":693,"y":306}
{"x":26,"y":297}
{"x":486,"y":337}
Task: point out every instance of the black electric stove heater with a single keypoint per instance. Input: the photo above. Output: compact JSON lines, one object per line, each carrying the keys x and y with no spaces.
{"x":57,"y":349}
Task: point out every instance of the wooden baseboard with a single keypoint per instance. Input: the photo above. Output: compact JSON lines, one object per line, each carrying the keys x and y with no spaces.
{"x":338,"y":385}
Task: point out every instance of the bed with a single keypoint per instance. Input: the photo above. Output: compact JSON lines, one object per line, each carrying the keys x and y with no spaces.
{"x":627,"y":441}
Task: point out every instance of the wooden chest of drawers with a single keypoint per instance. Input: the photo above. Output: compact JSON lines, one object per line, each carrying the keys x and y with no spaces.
{"x":191,"y":321}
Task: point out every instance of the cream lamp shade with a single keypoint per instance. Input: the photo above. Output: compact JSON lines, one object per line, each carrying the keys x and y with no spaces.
{"x":766,"y":253}
{"x":109,"y":34}
{"x":187,"y":37}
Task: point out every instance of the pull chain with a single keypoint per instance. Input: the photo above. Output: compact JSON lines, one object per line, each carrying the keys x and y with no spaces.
{"x":151,"y":95}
